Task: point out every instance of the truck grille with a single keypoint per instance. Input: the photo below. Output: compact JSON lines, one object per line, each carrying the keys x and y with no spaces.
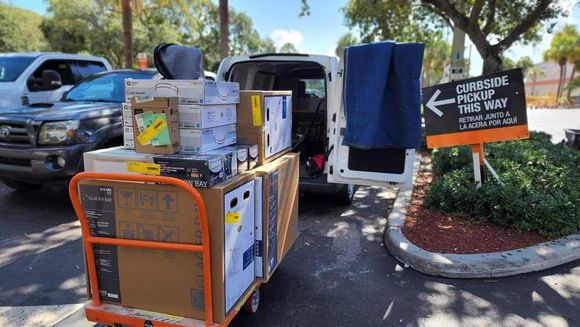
{"x":14,"y":133}
{"x":15,"y":161}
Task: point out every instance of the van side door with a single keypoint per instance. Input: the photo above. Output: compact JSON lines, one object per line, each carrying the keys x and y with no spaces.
{"x":347,"y":165}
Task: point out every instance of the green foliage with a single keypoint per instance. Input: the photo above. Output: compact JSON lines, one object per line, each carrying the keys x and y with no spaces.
{"x":288,"y":48}
{"x":95,"y":26}
{"x":19,"y":30}
{"x":540,"y":190}
{"x":345,"y":41}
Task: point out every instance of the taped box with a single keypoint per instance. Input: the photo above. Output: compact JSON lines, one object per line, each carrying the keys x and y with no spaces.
{"x":155,"y":125}
{"x":171,"y":282}
{"x":265,"y":118}
{"x":187,"y":91}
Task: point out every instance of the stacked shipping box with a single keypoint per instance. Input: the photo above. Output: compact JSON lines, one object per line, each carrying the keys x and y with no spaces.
{"x":250,"y":192}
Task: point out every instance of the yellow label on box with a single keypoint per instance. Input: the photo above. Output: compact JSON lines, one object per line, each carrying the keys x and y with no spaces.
{"x":232,"y":217}
{"x":143,"y":168}
{"x":158,"y":125}
{"x":257,"y":110}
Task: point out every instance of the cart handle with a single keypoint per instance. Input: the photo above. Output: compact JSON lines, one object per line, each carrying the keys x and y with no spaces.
{"x":89,"y":240}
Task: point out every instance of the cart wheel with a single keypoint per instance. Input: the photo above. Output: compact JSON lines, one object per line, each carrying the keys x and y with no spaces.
{"x":252,"y":303}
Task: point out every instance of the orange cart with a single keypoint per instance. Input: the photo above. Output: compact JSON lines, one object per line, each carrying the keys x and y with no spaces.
{"x":115,"y":315}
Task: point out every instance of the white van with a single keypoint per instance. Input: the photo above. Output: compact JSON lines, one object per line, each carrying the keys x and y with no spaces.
{"x":318,"y":122}
{"x":33,"y":78}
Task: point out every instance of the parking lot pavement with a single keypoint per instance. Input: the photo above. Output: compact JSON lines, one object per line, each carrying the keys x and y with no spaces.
{"x":337,"y":274}
{"x":554,"y":121}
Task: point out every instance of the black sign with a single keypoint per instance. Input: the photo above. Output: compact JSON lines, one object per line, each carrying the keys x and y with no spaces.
{"x":484,"y":102}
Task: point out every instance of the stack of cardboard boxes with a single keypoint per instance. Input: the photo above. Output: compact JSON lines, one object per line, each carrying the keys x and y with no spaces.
{"x":187,"y":129}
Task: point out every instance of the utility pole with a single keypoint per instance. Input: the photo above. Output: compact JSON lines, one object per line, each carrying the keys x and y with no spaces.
{"x":457,"y":64}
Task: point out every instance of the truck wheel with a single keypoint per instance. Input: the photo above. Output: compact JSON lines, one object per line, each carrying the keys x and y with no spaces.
{"x":252,"y":303}
{"x":21,"y":186}
{"x":344,"y":197}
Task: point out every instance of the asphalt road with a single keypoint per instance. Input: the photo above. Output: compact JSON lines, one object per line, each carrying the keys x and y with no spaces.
{"x":337,"y":274}
{"x":554,"y":121}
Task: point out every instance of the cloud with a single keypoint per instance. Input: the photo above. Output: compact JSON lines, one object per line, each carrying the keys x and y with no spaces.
{"x":282,"y":36}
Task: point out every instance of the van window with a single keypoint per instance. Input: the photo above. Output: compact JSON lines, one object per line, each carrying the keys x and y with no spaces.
{"x":12,"y":67}
{"x":60,"y":66}
{"x":83,"y":69}
{"x":314,"y":88}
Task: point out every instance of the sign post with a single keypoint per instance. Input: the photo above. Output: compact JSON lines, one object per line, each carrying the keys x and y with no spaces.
{"x":475,"y":111}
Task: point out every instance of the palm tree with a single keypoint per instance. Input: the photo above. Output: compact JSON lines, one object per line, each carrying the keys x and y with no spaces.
{"x":224,"y":29}
{"x":556,"y":53}
{"x":564,"y":48}
{"x":127,"y":32}
{"x":533,"y":73}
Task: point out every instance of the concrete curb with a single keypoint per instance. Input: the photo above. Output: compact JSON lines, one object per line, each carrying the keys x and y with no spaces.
{"x":485,"y":265}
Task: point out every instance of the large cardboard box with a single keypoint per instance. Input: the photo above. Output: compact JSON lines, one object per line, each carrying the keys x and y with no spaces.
{"x":265,"y":118}
{"x":166,"y":106}
{"x":188,"y":91}
{"x":203,"y":140}
{"x":172,"y":281}
{"x":277,"y":212}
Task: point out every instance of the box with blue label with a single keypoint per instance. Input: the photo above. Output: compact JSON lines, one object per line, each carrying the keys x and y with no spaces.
{"x":265,"y":118}
{"x":187,"y":91}
{"x":276,"y":185}
{"x":204,"y":140}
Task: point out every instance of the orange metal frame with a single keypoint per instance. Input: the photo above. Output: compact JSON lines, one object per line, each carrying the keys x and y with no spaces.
{"x":92,"y":310}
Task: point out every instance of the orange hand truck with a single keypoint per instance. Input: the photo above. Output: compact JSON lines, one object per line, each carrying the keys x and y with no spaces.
{"x":116,"y":315}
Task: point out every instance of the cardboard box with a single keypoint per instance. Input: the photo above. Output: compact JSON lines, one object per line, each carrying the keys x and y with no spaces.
{"x":188,"y":91}
{"x":128,"y":137}
{"x":240,"y":153}
{"x":114,"y":160}
{"x":171,"y":282}
{"x":265,"y":118}
{"x":206,"y":116}
{"x":199,"y":170}
{"x":253,"y":153}
{"x":277,"y":212}
{"x":204,"y":140}
{"x":161,"y":105}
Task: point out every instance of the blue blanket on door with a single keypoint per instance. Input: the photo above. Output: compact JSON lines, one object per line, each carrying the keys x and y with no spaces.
{"x":382,"y":95}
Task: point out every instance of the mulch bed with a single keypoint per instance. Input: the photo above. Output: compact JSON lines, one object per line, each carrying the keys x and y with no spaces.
{"x":441,"y":232}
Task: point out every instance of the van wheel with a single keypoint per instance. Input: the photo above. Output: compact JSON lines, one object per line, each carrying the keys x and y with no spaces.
{"x":344,"y":197}
{"x":21,"y":186}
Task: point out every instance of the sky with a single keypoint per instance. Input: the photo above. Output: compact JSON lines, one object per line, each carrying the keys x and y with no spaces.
{"x":319,"y":32}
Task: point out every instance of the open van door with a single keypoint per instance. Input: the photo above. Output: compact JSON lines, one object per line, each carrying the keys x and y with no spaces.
{"x":347,"y":165}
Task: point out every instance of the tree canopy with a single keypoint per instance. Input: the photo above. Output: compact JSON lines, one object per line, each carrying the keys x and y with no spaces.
{"x":493,"y":26}
{"x":19,"y":31}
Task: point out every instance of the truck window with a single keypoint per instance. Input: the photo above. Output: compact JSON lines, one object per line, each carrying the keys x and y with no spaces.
{"x":313,"y":88}
{"x":83,"y":68}
{"x":60,"y":66}
{"x":12,"y":67}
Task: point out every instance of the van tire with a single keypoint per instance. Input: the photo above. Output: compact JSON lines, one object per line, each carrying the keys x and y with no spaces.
{"x":21,"y":186}
{"x":346,"y":194}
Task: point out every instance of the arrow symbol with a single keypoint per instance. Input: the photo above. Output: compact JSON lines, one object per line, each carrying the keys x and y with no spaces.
{"x":432,"y":103}
{"x":167,"y":199}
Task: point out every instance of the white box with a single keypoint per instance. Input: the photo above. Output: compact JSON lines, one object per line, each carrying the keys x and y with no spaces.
{"x":206,"y":116}
{"x":113,"y":160}
{"x":188,"y":91}
{"x":203,"y":140}
{"x":127,"y":115}
{"x":128,"y":138}
{"x":239,"y":241}
{"x":278,"y":124}
{"x":259,"y":242}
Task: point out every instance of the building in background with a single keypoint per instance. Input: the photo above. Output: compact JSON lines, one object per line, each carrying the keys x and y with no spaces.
{"x":546,"y":82}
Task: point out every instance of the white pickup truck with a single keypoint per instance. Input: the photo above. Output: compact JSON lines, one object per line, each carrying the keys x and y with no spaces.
{"x":319,"y":122}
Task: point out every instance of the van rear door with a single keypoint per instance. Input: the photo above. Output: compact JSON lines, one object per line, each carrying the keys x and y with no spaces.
{"x":347,"y":165}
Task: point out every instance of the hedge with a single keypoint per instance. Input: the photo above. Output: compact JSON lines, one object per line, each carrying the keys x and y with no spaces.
{"x":540,"y":187}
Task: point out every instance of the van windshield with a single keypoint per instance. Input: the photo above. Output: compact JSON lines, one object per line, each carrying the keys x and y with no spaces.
{"x":12,"y":67}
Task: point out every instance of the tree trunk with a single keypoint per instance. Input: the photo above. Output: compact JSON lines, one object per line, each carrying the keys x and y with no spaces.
{"x":127,"y":32}
{"x":224,"y":29}
{"x":563,"y":79}
{"x":559,"y":82}
{"x":491,"y":63}
{"x":569,"y":92}
{"x":534,"y":85}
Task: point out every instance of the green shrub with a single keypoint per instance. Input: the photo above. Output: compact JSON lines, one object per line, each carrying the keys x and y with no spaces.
{"x":540,"y":187}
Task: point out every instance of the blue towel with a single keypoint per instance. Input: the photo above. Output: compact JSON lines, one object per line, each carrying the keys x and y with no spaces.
{"x":382,"y":95}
